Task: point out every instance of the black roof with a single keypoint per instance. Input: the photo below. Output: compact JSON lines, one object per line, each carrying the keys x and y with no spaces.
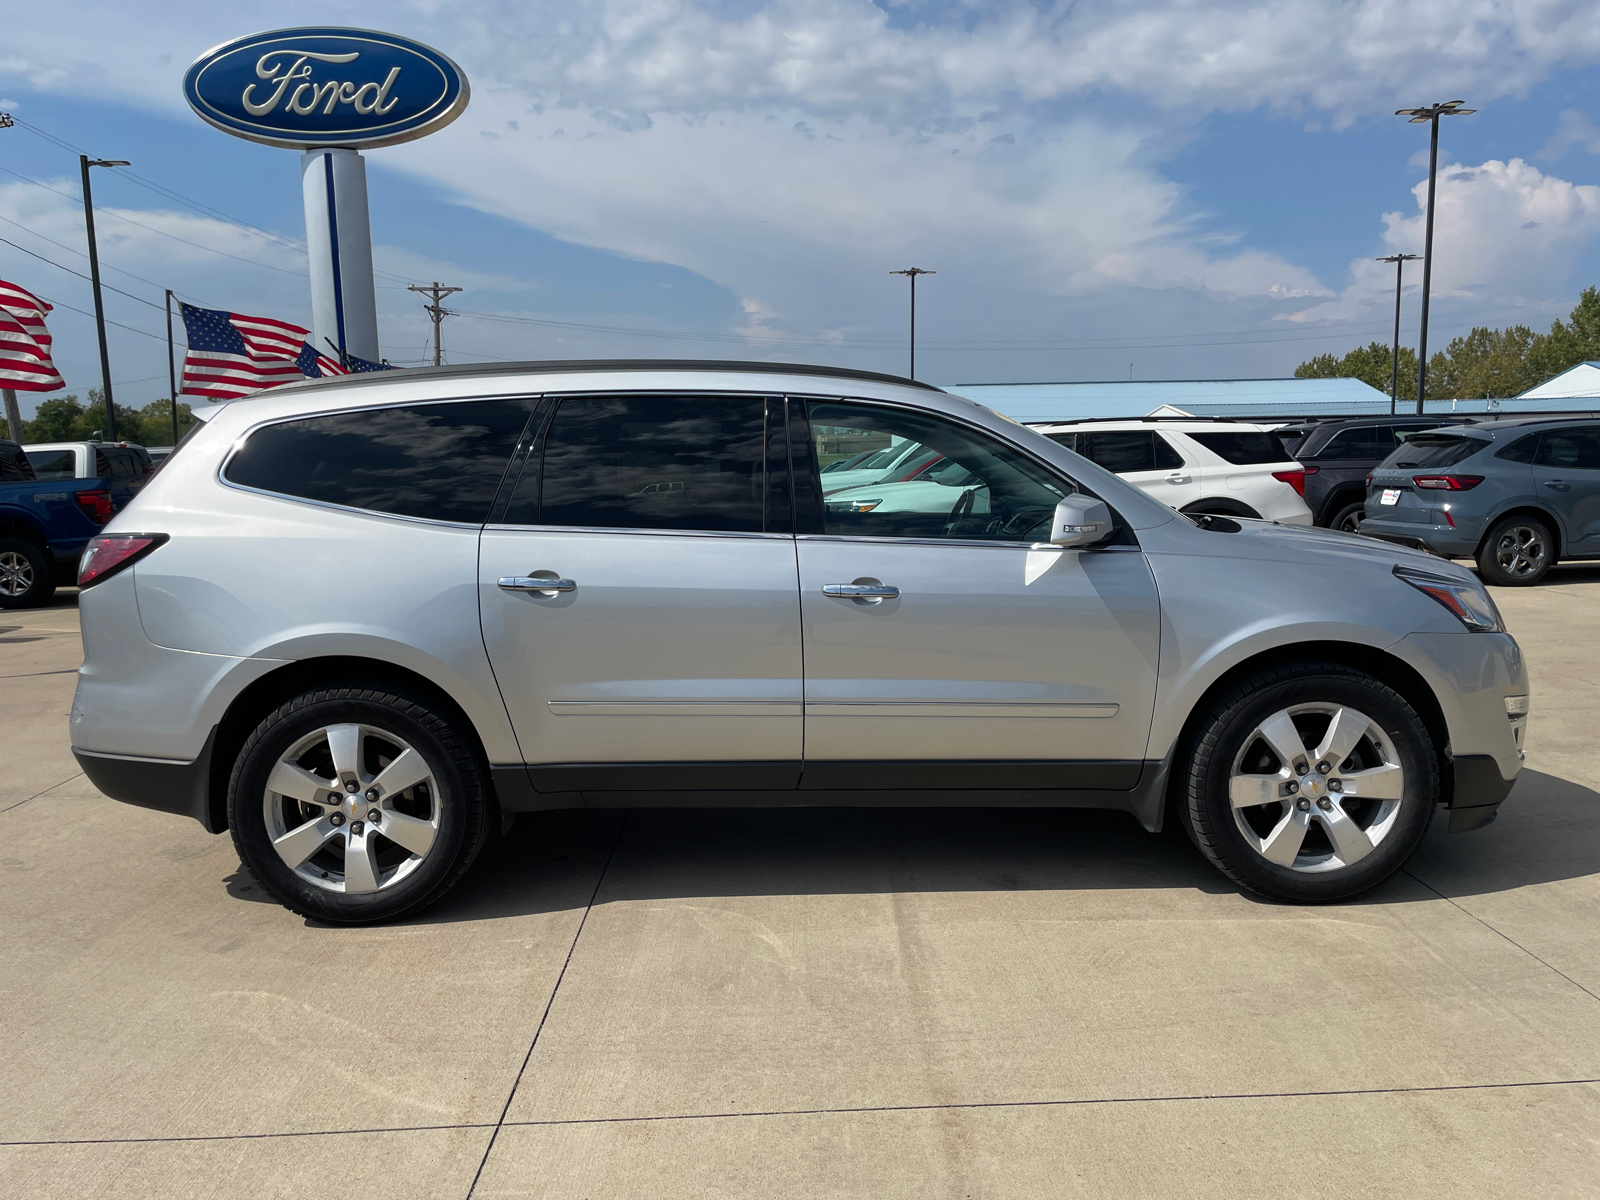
{"x":569,"y":366}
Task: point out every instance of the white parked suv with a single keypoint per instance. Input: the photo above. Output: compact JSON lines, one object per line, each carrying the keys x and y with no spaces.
{"x":358,"y":623}
{"x":1229,"y":468}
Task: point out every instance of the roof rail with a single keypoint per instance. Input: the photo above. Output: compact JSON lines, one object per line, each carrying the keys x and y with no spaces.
{"x":572,"y":366}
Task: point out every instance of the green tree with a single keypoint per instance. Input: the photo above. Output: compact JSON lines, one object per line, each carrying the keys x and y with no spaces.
{"x":155,"y":421}
{"x":1372,"y":364}
{"x":1485,"y":363}
{"x":56,"y":421}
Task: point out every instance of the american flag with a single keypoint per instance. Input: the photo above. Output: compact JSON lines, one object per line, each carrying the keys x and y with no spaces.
{"x":25,"y":364}
{"x":317,"y":366}
{"x":232,"y":355}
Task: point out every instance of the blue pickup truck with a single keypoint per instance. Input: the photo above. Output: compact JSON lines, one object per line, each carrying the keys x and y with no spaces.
{"x":44,"y":526}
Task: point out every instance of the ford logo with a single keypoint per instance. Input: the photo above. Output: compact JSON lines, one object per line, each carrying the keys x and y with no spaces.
{"x":316,"y":87}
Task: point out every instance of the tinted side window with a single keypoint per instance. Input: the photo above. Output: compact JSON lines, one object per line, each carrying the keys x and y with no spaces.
{"x":1167,"y":456}
{"x":1522,"y":450}
{"x":121,"y":464}
{"x":655,"y":462}
{"x":1242,"y":446}
{"x":53,"y":464}
{"x":102,"y":464}
{"x":1069,"y":440}
{"x":1120,"y":451}
{"x":971,"y":487}
{"x":1351,"y":444}
{"x":441,"y":462}
{"x":1573,"y":449}
{"x":14,"y":463}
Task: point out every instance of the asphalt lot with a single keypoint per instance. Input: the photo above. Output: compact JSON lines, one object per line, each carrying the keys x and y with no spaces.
{"x":804,"y":1003}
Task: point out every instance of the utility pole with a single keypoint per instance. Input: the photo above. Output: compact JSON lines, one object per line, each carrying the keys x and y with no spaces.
{"x":13,"y":412}
{"x":435,"y":310}
{"x":912,"y":273}
{"x":84,"y":163}
{"x":1451,"y":108}
{"x":1399,"y":261}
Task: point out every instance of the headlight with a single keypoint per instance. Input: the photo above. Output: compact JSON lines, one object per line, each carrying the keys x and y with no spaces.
{"x":1467,"y":601}
{"x":843,"y":506}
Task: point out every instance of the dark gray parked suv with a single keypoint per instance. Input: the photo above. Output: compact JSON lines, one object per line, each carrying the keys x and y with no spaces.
{"x":1517,"y":495}
{"x":1338,"y":455}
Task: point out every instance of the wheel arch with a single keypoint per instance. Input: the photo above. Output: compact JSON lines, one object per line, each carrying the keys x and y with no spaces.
{"x":1387,"y":668}
{"x":13,"y":524}
{"x":1339,"y":497}
{"x":262,"y":696}
{"x":1543,"y":515}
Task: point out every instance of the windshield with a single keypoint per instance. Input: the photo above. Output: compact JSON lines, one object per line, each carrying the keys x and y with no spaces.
{"x":1432,"y":450}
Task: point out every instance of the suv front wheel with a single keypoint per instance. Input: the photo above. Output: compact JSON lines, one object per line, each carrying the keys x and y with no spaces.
{"x":1310,"y":782}
{"x":355,"y":804}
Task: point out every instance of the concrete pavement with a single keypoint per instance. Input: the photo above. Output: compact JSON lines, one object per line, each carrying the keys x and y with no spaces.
{"x":804,"y":1003}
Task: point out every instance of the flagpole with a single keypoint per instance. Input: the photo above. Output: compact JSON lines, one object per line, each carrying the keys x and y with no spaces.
{"x":13,"y":414}
{"x":172,"y":371}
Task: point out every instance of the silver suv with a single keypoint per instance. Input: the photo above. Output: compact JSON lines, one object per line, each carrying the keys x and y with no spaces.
{"x":362,"y":623}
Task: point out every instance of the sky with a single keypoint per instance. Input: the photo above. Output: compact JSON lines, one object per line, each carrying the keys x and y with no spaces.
{"x":1106,"y":188}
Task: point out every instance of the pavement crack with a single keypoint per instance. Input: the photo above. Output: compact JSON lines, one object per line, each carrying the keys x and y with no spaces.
{"x":46,"y":791}
{"x":1087,"y":1101}
{"x":548,"y":1005}
{"x":1507,"y":936}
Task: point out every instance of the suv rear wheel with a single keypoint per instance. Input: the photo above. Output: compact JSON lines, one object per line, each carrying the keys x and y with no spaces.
{"x":354,"y":804}
{"x":1347,"y":517}
{"x":27,"y":576}
{"x":1310,"y":782}
{"x":1519,"y":551}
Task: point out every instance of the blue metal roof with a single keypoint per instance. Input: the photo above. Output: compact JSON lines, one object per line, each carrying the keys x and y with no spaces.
{"x":1245,"y":399}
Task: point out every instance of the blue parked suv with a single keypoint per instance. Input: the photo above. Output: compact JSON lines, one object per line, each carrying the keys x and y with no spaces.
{"x":1517,"y":495}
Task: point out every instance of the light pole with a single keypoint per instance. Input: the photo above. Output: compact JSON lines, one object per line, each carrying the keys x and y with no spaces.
{"x":912,"y":273}
{"x":1399,"y":261}
{"x":84,"y":163}
{"x":1431,"y":115}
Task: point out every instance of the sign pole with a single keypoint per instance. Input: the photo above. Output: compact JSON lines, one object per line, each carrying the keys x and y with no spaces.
{"x":344,"y":307}
{"x":13,"y":414}
{"x":172,"y":371}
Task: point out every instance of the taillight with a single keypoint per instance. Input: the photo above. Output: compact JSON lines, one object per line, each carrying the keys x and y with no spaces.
{"x":1312,"y":470}
{"x":1295,"y":479}
{"x":1369,"y":480}
{"x":1447,"y":483}
{"x":96,"y":505}
{"x":104,"y":556}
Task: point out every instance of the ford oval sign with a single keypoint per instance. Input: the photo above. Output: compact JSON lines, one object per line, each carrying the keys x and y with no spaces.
{"x":314,"y":87}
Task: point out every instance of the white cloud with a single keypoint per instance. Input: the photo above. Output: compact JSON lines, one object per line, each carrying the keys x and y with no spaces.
{"x":1572,"y":129}
{"x":1503,"y":232}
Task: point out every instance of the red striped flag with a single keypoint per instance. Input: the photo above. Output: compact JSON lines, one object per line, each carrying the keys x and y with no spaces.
{"x":25,"y":364}
{"x":232,"y":355}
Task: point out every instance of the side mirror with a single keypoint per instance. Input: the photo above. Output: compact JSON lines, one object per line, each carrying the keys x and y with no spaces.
{"x":1080,"y":521}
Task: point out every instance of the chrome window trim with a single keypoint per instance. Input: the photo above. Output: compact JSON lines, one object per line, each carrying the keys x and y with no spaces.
{"x":505,"y":527}
{"x":350,"y":508}
{"x":905,"y":541}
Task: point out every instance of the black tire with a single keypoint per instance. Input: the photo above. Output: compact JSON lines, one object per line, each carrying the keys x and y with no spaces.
{"x":27,"y":574}
{"x":1220,"y":739}
{"x":1518,"y":552}
{"x":459,"y":804}
{"x":1347,"y":517}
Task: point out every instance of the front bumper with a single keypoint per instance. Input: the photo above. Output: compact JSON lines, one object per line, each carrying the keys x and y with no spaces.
{"x":1477,"y":792}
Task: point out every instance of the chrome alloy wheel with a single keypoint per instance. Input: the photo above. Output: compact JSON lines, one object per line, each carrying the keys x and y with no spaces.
{"x":352,"y":809}
{"x":1316,"y":787}
{"x":1521,"y":550}
{"x":16,"y":573}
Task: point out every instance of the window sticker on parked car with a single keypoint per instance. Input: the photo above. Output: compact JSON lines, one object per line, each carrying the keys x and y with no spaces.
{"x":1390,"y":496}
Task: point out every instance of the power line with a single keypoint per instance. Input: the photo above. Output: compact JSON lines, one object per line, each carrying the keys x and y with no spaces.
{"x":81,"y":312}
{"x":190,"y":202}
{"x":81,"y":254}
{"x":79,"y":274}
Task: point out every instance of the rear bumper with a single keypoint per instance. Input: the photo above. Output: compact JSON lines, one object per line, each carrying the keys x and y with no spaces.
{"x":164,"y":784}
{"x":1436,"y":539}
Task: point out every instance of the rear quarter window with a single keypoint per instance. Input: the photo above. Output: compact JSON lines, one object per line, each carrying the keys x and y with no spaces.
{"x":1242,"y":447}
{"x":14,"y":465}
{"x":53,"y":464}
{"x":1433,"y":450}
{"x":439,"y":462}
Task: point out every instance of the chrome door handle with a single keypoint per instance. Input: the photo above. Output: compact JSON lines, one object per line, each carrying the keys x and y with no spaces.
{"x":862,"y":591}
{"x":1177,"y":479}
{"x":1560,"y":485}
{"x":527,"y":583}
